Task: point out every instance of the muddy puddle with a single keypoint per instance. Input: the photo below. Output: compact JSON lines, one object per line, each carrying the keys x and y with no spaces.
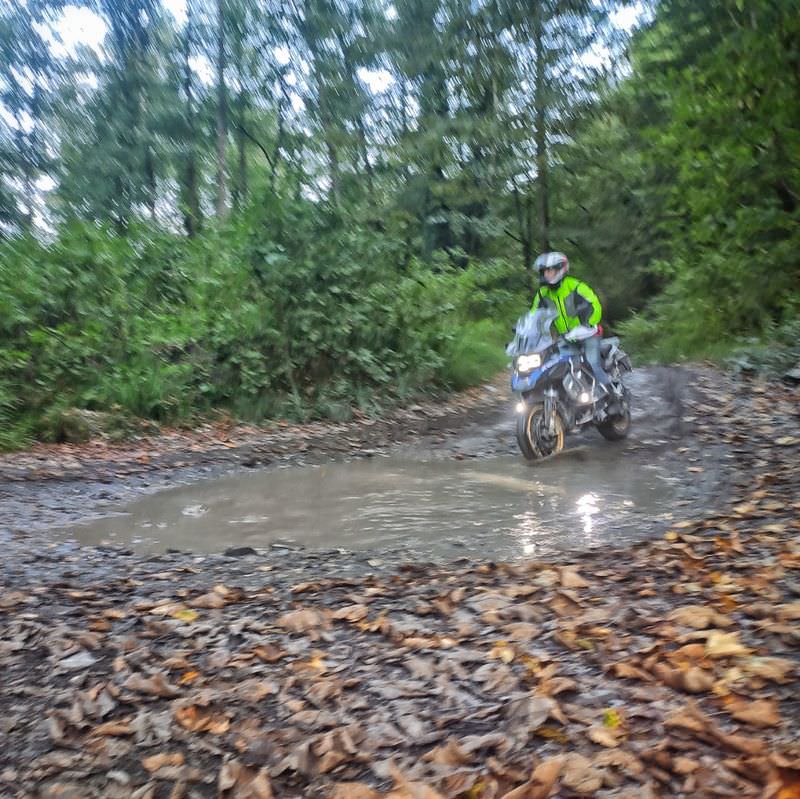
{"x":497,"y":507}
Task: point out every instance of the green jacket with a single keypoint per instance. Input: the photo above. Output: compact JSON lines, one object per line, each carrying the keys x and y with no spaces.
{"x":575,"y":302}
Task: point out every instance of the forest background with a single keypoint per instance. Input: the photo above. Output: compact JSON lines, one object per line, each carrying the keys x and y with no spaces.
{"x":307,"y":208}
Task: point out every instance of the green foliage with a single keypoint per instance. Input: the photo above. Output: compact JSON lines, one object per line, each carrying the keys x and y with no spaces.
{"x":775,"y":353}
{"x":284,"y":314}
{"x":712,"y":86}
{"x":476,"y":353}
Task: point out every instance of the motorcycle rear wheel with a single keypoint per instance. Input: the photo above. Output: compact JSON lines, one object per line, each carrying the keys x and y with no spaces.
{"x":532,"y":438}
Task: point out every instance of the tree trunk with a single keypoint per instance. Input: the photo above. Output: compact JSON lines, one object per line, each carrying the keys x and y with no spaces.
{"x":191,"y":197}
{"x":150,"y":181}
{"x":541,"y":134}
{"x":239,"y":194}
{"x":23,"y":149}
{"x":222,"y":113}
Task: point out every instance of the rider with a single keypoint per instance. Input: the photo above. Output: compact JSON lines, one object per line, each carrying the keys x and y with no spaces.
{"x":576,"y":304}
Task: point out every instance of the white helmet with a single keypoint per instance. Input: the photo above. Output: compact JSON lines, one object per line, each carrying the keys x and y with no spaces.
{"x":552,"y":260}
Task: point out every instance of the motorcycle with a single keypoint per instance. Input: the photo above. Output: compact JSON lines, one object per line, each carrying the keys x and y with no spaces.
{"x":557,"y":390}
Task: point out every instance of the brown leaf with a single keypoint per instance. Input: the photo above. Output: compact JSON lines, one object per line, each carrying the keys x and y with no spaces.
{"x":353,"y":790}
{"x":555,"y":686}
{"x":685,"y":720}
{"x":761,"y":713}
{"x":741,"y":743}
{"x":684,"y":765}
{"x":269,"y":653}
{"x":449,"y":755}
{"x":693,"y":680}
{"x":404,"y":789}
{"x":522,"y":631}
{"x":541,"y":783}
{"x":790,"y":612}
{"x":352,"y":613}
{"x":113,"y":728}
{"x":214,"y":600}
{"x":626,"y":670}
{"x":304,"y":620}
{"x":580,"y":775}
{"x":155,"y":762}
{"x":569,"y":577}
{"x":722,"y":645}
{"x":529,"y":712}
{"x":606,"y":736}
{"x":699,"y":617}
{"x":563,"y":604}
{"x":235,"y":781}
{"x":775,"y":669}
{"x":202,"y":719}
{"x":619,"y":758}
{"x":153,"y":686}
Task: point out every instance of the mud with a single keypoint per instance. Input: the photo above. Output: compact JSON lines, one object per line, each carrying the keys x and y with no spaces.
{"x":456,"y":488}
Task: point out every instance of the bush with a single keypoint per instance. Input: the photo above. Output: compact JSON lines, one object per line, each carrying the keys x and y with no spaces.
{"x":282,"y":314}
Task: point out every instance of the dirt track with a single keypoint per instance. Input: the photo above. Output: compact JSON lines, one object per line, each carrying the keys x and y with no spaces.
{"x":665,"y":669}
{"x":57,"y":485}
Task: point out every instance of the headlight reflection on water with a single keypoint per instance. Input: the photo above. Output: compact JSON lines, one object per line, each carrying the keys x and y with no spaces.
{"x":587,"y":509}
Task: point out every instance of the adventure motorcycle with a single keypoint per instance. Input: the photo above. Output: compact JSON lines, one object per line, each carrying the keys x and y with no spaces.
{"x":557,"y":390}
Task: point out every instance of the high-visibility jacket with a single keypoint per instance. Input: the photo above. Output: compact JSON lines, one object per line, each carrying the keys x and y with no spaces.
{"x":575,"y":302}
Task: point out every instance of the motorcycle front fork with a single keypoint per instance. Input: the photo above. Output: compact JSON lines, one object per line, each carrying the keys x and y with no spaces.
{"x":550,"y":410}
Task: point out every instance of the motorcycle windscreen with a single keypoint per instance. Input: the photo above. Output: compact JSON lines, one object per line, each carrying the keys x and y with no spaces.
{"x":533,"y":332}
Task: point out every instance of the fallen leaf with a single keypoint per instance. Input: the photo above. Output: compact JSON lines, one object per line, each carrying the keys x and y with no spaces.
{"x":698,"y":617}
{"x":303,"y":620}
{"x":186,"y":615}
{"x":351,"y":613}
{"x":113,"y":728}
{"x":405,"y":789}
{"x":449,"y":755}
{"x":775,"y":669}
{"x":155,"y":762}
{"x":238,"y":782}
{"x":569,"y":577}
{"x":202,"y":719}
{"x":760,"y":713}
{"x":605,"y":736}
{"x":152,"y":686}
{"x":541,"y":783}
{"x":693,"y":680}
{"x":790,"y":612}
{"x":501,"y":651}
{"x":684,"y":765}
{"x":626,"y":670}
{"x":188,"y":677}
{"x":580,"y":775}
{"x":353,"y":790}
{"x":269,"y":653}
{"x":619,"y":758}
{"x":722,"y":645}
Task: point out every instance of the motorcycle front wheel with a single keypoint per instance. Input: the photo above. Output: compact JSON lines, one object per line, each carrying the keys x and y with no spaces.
{"x":533,"y":438}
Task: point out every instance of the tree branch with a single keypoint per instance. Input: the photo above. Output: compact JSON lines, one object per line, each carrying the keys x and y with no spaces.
{"x":239,"y":126}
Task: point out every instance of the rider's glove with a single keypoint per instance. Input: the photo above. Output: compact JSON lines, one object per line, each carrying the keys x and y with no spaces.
{"x":569,"y":335}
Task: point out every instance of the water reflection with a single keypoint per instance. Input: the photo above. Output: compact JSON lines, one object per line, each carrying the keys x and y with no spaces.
{"x":496,"y":508}
{"x":588,"y":508}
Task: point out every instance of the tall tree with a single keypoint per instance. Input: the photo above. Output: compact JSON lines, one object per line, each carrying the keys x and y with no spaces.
{"x":222,"y":110}
{"x":26,"y":74}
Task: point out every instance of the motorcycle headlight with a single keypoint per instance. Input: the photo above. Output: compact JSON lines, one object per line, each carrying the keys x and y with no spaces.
{"x":527,"y":363}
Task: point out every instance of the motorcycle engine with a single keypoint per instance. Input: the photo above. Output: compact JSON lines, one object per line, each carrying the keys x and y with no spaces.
{"x":574,"y":387}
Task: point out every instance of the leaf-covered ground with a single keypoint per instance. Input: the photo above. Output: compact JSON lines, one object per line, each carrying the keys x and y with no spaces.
{"x":669,"y":669}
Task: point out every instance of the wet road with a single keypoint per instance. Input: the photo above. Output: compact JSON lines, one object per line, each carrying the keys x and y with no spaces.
{"x":471,"y":494}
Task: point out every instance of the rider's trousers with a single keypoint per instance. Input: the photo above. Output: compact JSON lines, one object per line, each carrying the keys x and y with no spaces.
{"x":591,"y":348}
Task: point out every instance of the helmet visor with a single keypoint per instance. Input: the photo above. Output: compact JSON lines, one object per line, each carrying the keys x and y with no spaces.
{"x":550,"y":260}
